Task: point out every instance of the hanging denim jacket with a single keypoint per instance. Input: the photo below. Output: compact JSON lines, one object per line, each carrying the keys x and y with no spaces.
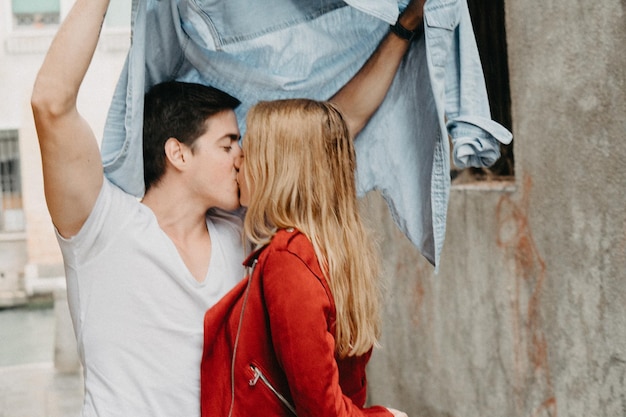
{"x":276,"y":49}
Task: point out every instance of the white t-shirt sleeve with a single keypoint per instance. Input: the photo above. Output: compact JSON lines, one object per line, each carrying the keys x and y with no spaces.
{"x":112,"y":209}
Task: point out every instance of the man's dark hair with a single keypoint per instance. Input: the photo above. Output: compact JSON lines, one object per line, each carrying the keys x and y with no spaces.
{"x":175,"y":109}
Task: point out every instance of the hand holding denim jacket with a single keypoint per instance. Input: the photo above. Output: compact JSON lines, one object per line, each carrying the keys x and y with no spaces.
{"x":303,"y":48}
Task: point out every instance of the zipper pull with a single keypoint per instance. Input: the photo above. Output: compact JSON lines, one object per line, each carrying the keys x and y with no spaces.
{"x":257,"y":375}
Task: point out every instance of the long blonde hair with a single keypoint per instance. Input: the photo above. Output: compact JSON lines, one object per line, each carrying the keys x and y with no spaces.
{"x":301,"y":162}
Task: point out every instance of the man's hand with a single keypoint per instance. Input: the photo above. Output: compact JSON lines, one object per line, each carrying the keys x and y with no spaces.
{"x":412,"y":16}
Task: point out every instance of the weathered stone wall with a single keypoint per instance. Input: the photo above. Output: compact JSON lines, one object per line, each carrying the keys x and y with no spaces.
{"x":527,"y":316}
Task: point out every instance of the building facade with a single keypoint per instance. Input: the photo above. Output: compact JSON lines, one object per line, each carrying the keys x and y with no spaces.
{"x":30,"y":259}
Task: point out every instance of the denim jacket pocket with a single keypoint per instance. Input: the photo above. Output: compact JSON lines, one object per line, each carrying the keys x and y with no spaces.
{"x":441,"y":19}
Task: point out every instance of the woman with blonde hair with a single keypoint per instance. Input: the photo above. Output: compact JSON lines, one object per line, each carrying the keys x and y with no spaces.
{"x":294,"y":337}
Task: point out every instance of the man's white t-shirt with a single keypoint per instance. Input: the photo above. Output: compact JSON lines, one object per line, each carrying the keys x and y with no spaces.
{"x":137,"y":310}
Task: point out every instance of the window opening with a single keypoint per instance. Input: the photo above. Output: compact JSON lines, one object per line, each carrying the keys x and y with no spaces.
{"x":488,"y":20}
{"x":35,"y":14}
{"x":11,"y":211}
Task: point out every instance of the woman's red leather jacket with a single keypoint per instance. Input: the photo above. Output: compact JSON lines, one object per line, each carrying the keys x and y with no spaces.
{"x":269,"y":347}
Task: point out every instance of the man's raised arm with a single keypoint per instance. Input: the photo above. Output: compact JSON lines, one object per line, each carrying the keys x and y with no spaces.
{"x":72,"y":167}
{"x":359,"y":99}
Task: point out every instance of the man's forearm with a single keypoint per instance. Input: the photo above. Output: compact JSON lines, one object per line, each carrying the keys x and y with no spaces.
{"x":362,"y":95}
{"x":69,"y":56}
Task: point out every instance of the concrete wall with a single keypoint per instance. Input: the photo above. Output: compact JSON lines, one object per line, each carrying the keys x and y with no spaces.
{"x":527,"y":316}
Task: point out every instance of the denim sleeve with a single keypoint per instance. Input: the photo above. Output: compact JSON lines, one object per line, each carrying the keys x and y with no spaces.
{"x":156,"y":54}
{"x":476,"y":140}
{"x":475,"y":137}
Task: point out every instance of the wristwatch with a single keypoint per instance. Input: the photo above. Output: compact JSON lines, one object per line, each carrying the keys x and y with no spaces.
{"x":402,"y":32}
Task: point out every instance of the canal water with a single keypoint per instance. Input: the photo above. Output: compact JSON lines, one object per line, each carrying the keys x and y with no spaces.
{"x":26,"y":335}
{"x":30,"y":383}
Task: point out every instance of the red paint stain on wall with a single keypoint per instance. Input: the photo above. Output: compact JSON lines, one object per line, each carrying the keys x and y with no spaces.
{"x":532,"y":373}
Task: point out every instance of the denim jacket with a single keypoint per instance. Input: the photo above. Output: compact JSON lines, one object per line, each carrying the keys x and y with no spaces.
{"x":275,"y":49}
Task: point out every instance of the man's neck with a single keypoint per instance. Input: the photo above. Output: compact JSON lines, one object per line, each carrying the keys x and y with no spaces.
{"x":174,"y":208}
{"x":184,"y":221}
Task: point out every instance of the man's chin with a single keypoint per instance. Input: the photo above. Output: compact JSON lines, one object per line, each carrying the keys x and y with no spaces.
{"x":241,"y":204}
{"x":232,"y":206}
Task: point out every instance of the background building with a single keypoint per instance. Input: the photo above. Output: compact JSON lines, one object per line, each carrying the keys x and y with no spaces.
{"x":30,"y":259}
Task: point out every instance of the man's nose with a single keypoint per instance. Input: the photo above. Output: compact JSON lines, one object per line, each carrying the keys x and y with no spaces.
{"x":238,"y":156}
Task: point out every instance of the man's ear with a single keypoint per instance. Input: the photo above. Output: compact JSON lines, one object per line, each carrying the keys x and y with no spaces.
{"x":176,"y":153}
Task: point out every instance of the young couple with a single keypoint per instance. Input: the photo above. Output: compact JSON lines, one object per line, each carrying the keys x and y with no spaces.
{"x":145,"y":279}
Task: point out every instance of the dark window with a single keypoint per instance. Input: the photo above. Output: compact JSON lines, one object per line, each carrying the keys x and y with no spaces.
{"x":11,"y":214}
{"x":489,"y":27}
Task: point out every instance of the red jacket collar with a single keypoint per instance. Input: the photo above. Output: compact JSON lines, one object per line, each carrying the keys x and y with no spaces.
{"x":281,"y":235}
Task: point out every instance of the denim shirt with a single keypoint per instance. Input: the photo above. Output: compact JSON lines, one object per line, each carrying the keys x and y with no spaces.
{"x":276,"y":49}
